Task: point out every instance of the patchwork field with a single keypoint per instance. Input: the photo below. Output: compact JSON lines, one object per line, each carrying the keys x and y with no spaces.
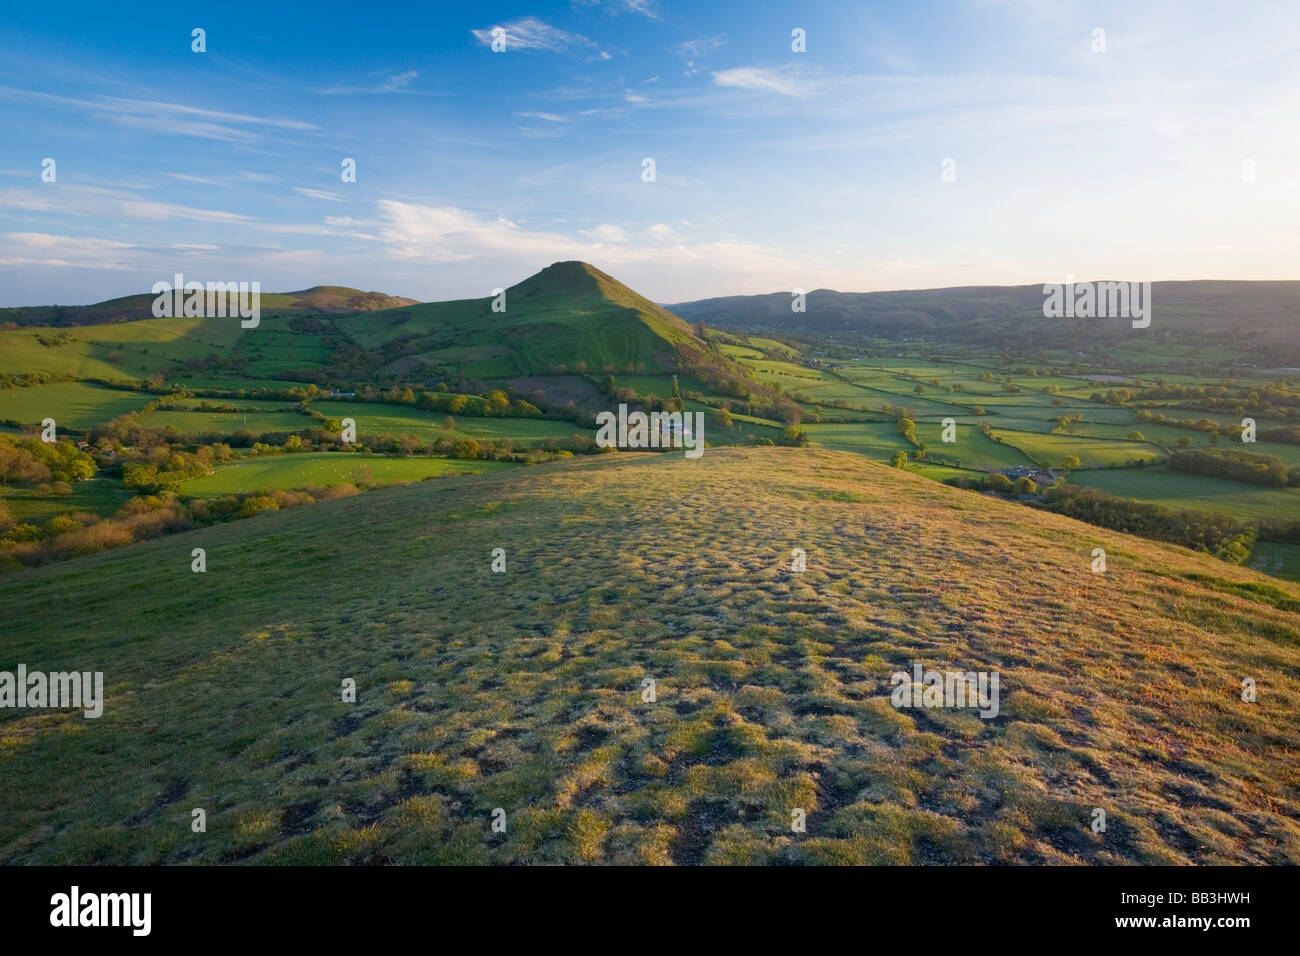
{"x":526,"y":690}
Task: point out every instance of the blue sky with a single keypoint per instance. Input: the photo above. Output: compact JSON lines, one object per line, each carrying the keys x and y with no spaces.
{"x":1174,"y":153}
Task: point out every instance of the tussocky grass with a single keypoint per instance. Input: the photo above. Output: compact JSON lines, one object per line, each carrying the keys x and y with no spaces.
{"x":523,"y":690}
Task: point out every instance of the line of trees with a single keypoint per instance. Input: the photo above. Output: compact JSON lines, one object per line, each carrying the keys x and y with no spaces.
{"x":1225,"y":537}
{"x":1234,"y":465}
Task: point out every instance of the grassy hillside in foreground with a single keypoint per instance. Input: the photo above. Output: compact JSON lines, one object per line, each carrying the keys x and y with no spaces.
{"x":523,"y":690}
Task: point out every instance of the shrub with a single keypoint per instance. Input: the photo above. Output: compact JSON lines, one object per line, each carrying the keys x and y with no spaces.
{"x":98,"y":537}
{"x":255,"y":503}
{"x":996,"y":481}
{"x":23,"y":532}
{"x":61,"y":524}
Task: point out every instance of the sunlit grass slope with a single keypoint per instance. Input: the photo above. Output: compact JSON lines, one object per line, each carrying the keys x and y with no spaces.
{"x":523,"y":690}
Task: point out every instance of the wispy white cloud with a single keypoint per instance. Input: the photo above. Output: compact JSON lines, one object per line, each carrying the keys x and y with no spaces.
{"x":108,"y":204}
{"x":317,"y":194}
{"x":782,"y":80}
{"x":399,"y":81}
{"x":606,"y":233}
{"x":158,"y":108}
{"x":161,"y":117}
{"x":43,"y":249}
{"x":692,"y":51}
{"x":392,"y":83}
{"x":530,"y":33}
{"x":185,"y":177}
{"x":146,"y":209}
{"x":647,"y":8}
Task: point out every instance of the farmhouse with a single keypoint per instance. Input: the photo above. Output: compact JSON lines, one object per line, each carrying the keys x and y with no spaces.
{"x":1036,"y":475}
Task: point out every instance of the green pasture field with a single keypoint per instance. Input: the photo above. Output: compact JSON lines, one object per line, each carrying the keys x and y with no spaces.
{"x":942,"y":472}
{"x":289,"y":471}
{"x":1278,"y":558}
{"x":740,"y":351}
{"x":1048,"y":450}
{"x":232,"y":382}
{"x":100,"y":496}
{"x":1009,"y":420}
{"x":660,"y":385}
{"x":189,"y":423}
{"x":147,"y":346}
{"x":874,"y":398}
{"x":769,"y":344}
{"x":876,"y":440}
{"x":972,"y":448}
{"x":240,"y":403}
{"x":77,"y":405}
{"x":742,"y":427}
{"x":1165,"y":486}
{"x":375,"y":418}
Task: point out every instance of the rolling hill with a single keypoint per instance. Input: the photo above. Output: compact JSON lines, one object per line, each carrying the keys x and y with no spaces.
{"x":325,"y":299}
{"x":570,"y":314}
{"x":525,"y":690}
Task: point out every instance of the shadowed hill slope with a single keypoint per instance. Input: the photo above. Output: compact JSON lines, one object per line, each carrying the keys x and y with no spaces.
{"x":523,"y":690}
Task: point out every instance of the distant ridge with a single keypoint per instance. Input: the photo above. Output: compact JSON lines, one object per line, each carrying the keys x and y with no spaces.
{"x":328,"y":299}
{"x":1195,"y":312}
